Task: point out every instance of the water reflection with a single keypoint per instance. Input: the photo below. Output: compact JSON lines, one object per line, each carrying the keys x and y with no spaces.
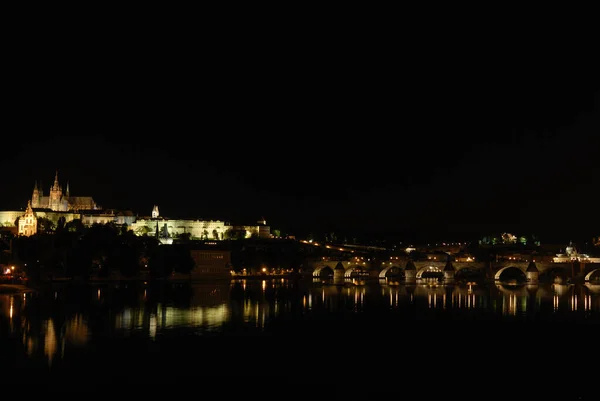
{"x":202,"y":306}
{"x":66,"y":319}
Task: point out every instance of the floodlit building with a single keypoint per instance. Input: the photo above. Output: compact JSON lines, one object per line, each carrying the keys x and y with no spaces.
{"x":28,"y":222}
{"x":59,"y":200}
{"x":210,"y":260}
{"x":196,"y":229}
{"x":60,"y":205}
{"x":571,"y":255}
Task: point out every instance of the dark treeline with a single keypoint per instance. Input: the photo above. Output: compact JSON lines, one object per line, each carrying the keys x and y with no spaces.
{"x":75,"y":251}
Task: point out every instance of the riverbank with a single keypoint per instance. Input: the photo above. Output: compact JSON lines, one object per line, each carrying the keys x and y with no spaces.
{"x":176,"y":278}
{"x":14,"y":289}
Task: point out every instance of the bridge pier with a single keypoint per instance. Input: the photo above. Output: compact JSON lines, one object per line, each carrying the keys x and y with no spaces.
{"x":532,"y":273}
{"x":449,"y":271}
{"x":410,"y":272}
{"x":449,"y":276}
{"x":489,"y":272}
{"x":338,"y":274}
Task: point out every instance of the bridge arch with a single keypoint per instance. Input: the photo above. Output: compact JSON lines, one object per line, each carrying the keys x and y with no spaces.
{"x":557,"y":274}
{"x":467,"y":273}
{"x":430,"y":272}
{"x":355,"y":270}
{"x":511,"y":273}
{"x":324,"y":271}
{"x":593,"y":288}
{"x":392,"y":270}
{"x":596,"y":273}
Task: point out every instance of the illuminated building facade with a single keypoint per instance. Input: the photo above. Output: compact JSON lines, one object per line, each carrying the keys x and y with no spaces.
{"x":8,"y":218}
{"x":215,"y":263}
{"x":60,"y":204}
{"x":102,"y":217}
{"x":571,"y":255}
{"x":28,"y":223}
{"x":196,"y":229}
{"x":60,"y":201}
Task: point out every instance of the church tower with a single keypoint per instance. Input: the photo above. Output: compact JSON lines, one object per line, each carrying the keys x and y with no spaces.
{"x":35,"y":197}
{"x":54,"y":202}
{"x":155,"y":212}
{"x":28,"y":222}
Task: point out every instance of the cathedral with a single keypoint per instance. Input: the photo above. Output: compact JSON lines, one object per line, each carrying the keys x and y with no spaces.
{"x":59,"y":204}
{"x":59,"y":200}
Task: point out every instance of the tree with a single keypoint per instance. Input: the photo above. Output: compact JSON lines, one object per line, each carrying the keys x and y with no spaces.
{"x":165,"y":260}
{"x":78,"y":261}
{"x":182,"y":259}
{"x":143,"y":231}
{"x":124,"y":259}
{"x":75,"y":226}
{"x":157,"y":263}
{"x":231,"y":233}
{"x":60,"y":224}
{"x":45,"y":225}
{"x":185,"y":237}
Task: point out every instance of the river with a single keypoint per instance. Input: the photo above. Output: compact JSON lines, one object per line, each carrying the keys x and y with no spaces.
{"x":357,"y":337}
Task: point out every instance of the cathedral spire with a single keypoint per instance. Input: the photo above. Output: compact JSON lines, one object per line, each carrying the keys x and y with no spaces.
{"x":56,"y":186}
{"x":35,"y":196}
{"x":67,"y":191}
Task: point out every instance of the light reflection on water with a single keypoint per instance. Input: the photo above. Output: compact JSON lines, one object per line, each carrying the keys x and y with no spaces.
{"x":67,"y":318}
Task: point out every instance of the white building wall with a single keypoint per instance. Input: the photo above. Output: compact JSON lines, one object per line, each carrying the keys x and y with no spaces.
{"x":196,"y":228}
{"x":89,"y":219}
{"x":7,"y":218}
{"x":54,"y":216}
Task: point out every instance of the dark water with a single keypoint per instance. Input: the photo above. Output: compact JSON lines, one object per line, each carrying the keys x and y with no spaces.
{"x":305,"y":338}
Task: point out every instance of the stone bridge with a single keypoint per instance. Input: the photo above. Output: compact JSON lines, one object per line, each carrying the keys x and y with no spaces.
{"x":409,"y":269}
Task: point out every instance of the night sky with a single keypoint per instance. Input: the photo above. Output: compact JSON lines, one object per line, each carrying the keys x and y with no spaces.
{"x":344,"y":136}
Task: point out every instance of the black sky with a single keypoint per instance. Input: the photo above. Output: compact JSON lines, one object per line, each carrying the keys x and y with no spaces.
{"x":429,"y":138}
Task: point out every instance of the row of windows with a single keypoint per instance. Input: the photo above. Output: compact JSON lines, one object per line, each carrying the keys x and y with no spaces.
{"x":209,"y":270}
{"x":205,"y":256}
{"x":96,"y":221}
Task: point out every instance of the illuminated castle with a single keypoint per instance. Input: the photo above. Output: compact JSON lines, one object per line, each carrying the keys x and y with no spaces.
{"x":60,"y":201}
{"x":60,"y":205}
